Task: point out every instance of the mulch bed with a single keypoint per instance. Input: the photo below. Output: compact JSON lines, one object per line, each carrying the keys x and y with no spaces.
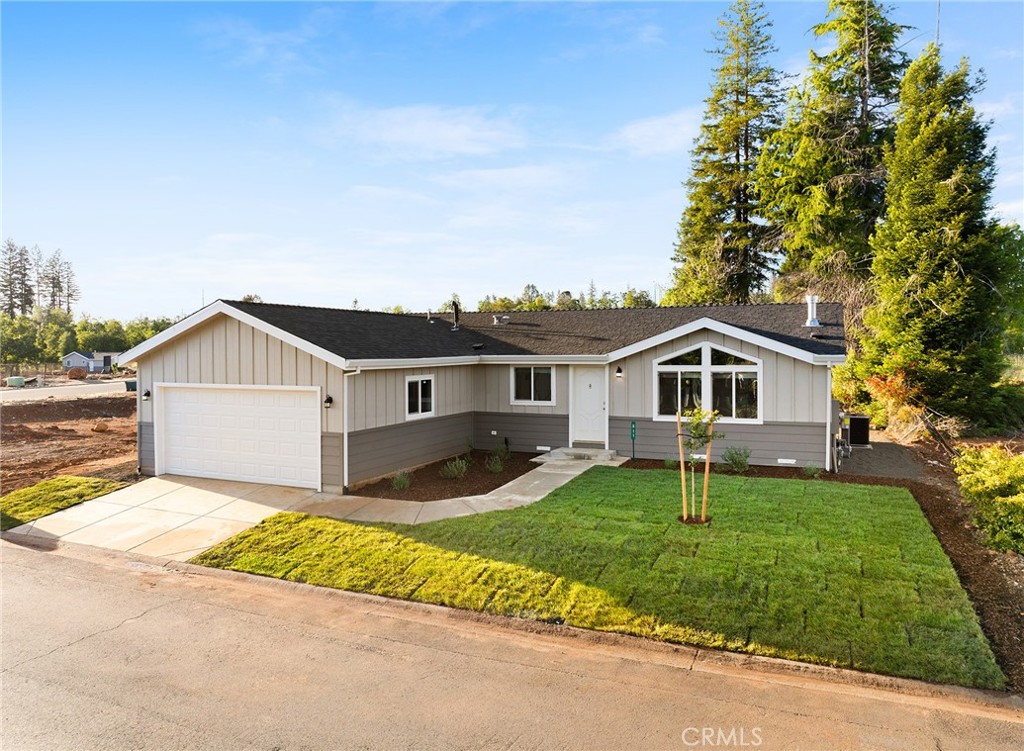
{"x":993,"y":580}
{"x":428,"y":485}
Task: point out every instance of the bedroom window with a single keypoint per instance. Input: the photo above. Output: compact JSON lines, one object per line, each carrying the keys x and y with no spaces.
{"x":708,"y":377}
{"x":420,"y":396}
{"x":533,"y":385}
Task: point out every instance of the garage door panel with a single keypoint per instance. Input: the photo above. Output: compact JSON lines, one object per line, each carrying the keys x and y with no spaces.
{"x":268,"y":436}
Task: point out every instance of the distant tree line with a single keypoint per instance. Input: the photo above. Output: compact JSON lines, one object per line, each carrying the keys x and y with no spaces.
{"x":37,"y":324}
{"x":532,"y":298}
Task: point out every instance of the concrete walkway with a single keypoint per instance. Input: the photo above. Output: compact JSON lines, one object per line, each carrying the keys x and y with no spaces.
{"x":553,"y":472}
{"x":180,"y":517}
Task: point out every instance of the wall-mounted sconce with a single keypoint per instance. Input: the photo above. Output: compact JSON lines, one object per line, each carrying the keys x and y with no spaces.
{"x":618,"y":372}
{"x":328,"y":401}
{"x":145,"y":395}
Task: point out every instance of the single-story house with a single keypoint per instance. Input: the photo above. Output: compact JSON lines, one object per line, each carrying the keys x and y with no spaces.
{"x":319,"y":397}
{"x":93,"y":362}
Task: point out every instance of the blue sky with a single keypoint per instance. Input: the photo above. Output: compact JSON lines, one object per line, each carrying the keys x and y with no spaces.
{"x":391,"y":153}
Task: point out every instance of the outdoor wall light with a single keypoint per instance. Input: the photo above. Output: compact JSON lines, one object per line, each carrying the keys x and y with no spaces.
{"x":618,"y":372}
{"x":145,"y":395}
{"x":328,"y":401}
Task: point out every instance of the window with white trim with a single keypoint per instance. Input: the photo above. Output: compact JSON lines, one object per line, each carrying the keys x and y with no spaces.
{"x":419,"y":392}
{"x":533,"y":385}
{"x":709,"y":377}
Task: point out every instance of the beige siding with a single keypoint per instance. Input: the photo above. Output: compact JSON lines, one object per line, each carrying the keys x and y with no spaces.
{"x":225,"y":350}
{"x":493,"y":392}
{"x":377,"y":398}
{"x":794,"y":391}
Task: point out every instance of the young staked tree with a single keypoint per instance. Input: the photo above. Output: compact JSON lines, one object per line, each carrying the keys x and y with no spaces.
{"x":822,"y":173}
{"x":724,"y":249}
{"x":939,"y":264}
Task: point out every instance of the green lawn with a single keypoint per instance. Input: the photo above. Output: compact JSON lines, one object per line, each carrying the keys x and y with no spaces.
{"x":48,"y":496}
{"x":830,"y":573}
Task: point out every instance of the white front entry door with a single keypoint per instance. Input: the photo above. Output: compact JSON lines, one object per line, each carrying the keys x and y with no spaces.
{"x":588,"y":405}
{"x":264,"y":435}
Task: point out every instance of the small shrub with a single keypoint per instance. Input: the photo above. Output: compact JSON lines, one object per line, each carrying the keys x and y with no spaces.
{"x":494,"y":464}
{"x":502,"y":451}
{"x":671,"y":464}
{"x":401,"y":481}
{"x":77,"y":374}
{"x":992,"y":479}
{"x":455,"y":469}
{"x":737,"y":459}
{"x":813,"y":471}
{"x":469,"y":445}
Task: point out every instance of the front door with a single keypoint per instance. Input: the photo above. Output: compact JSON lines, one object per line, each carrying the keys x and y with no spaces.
{"x":588,"y":405}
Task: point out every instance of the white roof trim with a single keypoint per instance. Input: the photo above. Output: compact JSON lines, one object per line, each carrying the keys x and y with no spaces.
{"x":217,"y":308}
{"x":728,"y":330}
{"x":412,"y":362}
{"x":544,"y":359}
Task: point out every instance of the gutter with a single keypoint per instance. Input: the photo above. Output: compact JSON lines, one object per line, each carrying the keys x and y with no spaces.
{"x":345,"y":412}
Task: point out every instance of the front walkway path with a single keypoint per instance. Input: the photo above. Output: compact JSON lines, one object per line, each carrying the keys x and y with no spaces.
{"x":522,"y":491}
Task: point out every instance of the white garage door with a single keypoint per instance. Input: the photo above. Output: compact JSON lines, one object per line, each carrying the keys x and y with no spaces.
{"x":255,"y":435}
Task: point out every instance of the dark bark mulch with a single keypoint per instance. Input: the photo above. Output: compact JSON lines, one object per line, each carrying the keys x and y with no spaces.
{"x":428,"y":485}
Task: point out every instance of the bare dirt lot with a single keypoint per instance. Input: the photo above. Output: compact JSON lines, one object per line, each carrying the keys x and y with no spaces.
{"x":44,"y":439}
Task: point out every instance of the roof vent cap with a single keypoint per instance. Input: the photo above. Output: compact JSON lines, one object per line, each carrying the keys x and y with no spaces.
{"x":812,"y":310}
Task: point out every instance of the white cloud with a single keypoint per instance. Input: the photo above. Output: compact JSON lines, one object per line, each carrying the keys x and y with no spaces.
{"x":663,"y":134}
{"x":420,"y":131}
{"x":1008,"y":106}
{"x":280,"y":52}
{"x":531,"y":177}
{"x":1010,"y":211}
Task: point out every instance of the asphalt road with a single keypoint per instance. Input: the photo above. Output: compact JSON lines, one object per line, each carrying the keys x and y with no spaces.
{"x":106,"y":651}
{"x":73,"y":391}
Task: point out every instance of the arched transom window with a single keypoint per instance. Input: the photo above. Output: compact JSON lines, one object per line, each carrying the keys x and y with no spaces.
{"x":710,"y":377}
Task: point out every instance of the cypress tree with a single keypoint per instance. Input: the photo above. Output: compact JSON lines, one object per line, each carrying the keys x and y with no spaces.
{"x":822,"y":174}
{"x":939,"y":267}
{"x":724,"y":249}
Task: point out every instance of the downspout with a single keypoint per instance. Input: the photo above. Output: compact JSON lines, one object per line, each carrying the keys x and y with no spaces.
{"x":344,"y":427}
{"x":829,"y":436}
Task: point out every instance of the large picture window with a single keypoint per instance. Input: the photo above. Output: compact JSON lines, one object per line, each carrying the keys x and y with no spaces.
{"x":419,"y":396}
{"x":708,"y":377}
{"x":533,"y":385}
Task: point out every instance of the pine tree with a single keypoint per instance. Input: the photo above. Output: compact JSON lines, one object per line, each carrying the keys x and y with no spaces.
{"x":17,"y":295}
{"x":822,"y":174}
{"x":938,"y":324}
{"x":724,"y":249}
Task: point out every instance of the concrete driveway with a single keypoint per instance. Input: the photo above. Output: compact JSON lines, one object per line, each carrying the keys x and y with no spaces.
{"x":167,"y":517}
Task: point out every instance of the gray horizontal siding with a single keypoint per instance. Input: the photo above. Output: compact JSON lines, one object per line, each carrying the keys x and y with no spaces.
{"x":381,"y":451}
{"x":331,"y":450}
{"x":804,"y":442}
{"x":147,"y":448}
{"x":525,"y":432}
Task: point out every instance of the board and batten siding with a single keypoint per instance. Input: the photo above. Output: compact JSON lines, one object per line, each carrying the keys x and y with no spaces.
{"x":493,"y":391}
{"x":794,"y":391}
{"x":801,"y":442}
{"x":227,"y":351}
{"x":378,"y":452}
{"x":377,"y":398}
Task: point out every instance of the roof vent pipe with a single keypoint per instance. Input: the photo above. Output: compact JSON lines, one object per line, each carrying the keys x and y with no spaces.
{"x":812,"y":310}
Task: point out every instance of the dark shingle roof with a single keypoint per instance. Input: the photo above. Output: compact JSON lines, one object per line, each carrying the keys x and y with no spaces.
{"x":364,"y":335}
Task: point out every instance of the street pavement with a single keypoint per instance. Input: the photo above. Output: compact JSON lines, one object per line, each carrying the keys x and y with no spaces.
{"x":72,"y":391}
{"x":107,"y":650}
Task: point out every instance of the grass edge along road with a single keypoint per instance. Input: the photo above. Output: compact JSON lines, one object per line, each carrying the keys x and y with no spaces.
{"x":834,"y":574}
{"x":44,"y":498}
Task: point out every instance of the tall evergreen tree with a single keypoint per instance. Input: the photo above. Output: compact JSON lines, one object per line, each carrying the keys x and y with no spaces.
{"x":16,"y":292}
{"x":822,"y":174}
{"x":939,"y":264}
{"x":723,"y":249}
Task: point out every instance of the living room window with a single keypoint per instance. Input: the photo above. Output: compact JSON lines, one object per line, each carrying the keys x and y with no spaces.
{"x":533,"y":385}
{"x":708,"y":377}
{"x":420,"y":396}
